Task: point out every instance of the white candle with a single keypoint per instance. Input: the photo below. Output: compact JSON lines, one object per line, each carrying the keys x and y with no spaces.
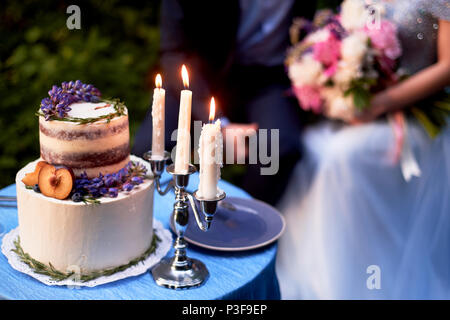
{"x":210,"y":153}
{"x":158,"y":108}
{"x":183,"y":150}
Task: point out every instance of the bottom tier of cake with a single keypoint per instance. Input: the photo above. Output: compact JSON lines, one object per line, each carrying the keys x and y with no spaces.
{"x":91,"y":237}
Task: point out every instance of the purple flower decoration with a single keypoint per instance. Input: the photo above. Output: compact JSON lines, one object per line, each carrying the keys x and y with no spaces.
{"x":111,"y":184}
{"x":137,"y":180}
{"x":81,"y":91}
{"x":128,"y":186}
{"x":62,"y":97}
{"x":110,"y":180}
{"x":113,"y":192}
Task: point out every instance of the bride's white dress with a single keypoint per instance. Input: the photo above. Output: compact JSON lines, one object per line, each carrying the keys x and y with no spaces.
{"x":355,"y":228}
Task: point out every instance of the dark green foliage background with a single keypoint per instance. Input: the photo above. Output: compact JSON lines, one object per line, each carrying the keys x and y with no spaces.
{"x":116,"y":50}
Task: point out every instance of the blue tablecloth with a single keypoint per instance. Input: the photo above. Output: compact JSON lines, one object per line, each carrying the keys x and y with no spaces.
{"x":233,"y":275}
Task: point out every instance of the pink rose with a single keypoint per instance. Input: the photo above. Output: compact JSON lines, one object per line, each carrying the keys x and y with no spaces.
{"x":385,"y":39}
{"x":309,"y":98}
{"x":331,"y":70}
{"x":327,"y":52}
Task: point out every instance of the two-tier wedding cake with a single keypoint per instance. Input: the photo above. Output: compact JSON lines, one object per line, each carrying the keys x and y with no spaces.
{"x":86,"y":202}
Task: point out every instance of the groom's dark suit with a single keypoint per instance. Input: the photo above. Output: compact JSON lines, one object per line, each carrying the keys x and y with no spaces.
{"x":203,"y":35}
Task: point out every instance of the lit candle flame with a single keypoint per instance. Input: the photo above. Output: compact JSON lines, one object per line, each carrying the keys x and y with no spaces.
{"x":158,"y":81}
{"x":185,"y":76}
{"x":212,"y":110}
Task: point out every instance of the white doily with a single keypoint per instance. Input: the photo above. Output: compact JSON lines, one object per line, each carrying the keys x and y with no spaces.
{"x":161,"y":250}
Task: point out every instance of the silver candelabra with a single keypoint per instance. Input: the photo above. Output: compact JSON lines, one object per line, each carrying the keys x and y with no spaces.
{"x":180,"y":271}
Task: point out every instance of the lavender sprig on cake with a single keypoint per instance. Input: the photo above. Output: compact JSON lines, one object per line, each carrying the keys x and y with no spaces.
{"x":109,"y":185}
{"x":62,"y":97}
{"x":81,"y":91}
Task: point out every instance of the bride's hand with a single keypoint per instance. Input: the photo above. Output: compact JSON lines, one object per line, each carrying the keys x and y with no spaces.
{"x":378,"y":106}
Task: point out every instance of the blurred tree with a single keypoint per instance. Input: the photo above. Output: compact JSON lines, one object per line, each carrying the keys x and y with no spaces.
{"x":116,"y":49}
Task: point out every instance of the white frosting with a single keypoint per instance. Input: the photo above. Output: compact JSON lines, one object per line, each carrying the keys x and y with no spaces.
{"x":56,"y":125}
{"x":93,"y":237}
{"x":89,"y":110}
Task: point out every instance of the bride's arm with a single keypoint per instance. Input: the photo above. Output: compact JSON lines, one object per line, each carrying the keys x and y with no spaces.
{"x":418,"y":86}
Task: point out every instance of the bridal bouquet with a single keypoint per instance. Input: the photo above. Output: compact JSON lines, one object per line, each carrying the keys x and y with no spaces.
{"x":343,"y":59}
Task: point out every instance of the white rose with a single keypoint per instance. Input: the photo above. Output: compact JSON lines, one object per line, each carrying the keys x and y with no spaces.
{"x":354,"y":47}
{"x":340,"y":107}
{"x":305,"y":72}
{"x":330,"y":93}
{"x":345,"y":73}
{"x":353,"y":14}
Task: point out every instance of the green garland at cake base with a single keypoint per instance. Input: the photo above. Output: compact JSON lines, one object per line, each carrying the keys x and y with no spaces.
{"x":57,"y":275}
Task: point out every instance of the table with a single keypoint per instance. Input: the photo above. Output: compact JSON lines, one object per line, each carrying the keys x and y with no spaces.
{"x":233,"y":275}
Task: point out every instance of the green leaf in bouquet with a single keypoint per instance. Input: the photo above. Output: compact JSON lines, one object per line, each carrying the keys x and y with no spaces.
{"x":433,"y":112}
{"x":361,"y":96}
{"x":439,"y":116}
{"x":443,"y":102}
{"x":365,"y":83}
{"x":431,"y":128}
{"x":444,"y":105}
{"x":360,"y":90}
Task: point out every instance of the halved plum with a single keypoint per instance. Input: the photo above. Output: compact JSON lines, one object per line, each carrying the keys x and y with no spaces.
{"x":32,"y":178}
{"x":56,"y":183}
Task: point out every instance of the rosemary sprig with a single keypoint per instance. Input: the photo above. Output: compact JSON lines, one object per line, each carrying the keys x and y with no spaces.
{"x":56,"y":275}
{"x":90,"y":200}
{"x":37,"y":266}
{"x":119,"y":107}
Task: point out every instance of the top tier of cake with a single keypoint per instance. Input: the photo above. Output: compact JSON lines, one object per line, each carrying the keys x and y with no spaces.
{"x":94,"y":147}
